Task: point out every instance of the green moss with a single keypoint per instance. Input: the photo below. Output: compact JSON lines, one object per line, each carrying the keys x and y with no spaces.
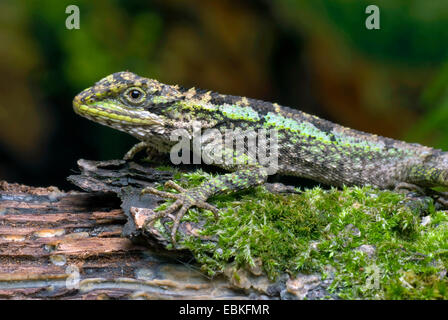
{"x":320,"y":230}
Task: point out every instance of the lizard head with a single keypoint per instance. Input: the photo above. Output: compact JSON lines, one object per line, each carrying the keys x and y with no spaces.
{"x":128,"y":102}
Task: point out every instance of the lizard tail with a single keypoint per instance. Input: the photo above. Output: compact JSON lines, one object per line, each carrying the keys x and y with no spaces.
{"x":427,"y":176}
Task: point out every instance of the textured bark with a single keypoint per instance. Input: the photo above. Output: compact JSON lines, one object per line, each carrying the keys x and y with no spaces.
{"x":47,"y":235}
{"x":87,"y":245}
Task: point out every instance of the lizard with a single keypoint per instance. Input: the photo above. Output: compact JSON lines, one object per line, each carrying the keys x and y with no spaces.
{"x":308,"y":146}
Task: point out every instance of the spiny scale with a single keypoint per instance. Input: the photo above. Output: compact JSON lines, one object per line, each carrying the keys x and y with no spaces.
{"x":308,"y":146}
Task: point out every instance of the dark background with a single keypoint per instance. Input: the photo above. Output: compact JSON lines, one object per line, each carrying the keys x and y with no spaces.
{"x":316,"y":55}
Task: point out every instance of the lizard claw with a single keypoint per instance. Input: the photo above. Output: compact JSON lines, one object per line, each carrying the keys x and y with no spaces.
{"x":185,"y":199}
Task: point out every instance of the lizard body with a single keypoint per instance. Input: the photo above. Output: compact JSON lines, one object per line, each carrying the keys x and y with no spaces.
{"x":308,"y":146}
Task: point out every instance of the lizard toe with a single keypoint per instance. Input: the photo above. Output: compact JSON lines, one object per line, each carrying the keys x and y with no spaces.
{"x":185,"y":199}
{"x":162,"y":194}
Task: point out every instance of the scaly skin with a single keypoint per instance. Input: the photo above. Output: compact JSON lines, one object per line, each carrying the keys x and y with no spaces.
{"x":309,"y":147}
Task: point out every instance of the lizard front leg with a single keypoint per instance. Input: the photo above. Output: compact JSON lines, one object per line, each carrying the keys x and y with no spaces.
{"x":185,"y":199}
{"x":136,"y":149}
{"x":151,"y":152}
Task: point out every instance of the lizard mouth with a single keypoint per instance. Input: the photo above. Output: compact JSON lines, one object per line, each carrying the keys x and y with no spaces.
{"x":109,"y":112}
{"x":98,"y":113}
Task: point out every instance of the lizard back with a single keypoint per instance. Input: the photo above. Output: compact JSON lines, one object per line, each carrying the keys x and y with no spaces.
{"x":308,"y":146}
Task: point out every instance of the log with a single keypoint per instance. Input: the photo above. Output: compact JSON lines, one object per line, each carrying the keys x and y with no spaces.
{"x":70,"y":245}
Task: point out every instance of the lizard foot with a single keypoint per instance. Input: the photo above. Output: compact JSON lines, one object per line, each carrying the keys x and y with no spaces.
{"x":138,"y":148}
{"x":280,"y":188}
{"x":441,"y":197}
{"x":185,"y":199}
{"x":405,"y":187}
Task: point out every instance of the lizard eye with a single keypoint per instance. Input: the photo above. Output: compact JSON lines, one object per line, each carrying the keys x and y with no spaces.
{"x":135,"y":95}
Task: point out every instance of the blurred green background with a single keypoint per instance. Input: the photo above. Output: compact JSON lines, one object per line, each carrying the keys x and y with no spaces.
{"x":315,"y":55}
